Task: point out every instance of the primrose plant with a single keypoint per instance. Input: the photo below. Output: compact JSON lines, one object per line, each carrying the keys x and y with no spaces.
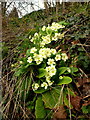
{"x":50,"y":63}
{"x":44,"y":65}
{"x":43,"y":71}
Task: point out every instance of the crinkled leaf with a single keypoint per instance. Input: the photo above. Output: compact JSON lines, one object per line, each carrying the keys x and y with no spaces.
{"x":42,"y":73}
{"x":39,"y":109}
{"x":51,"y":99}
{"x":65,"y":80}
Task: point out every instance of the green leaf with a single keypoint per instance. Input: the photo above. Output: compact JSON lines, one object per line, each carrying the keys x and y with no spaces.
{"x":27,"y":66}
{"x":86,"y":109}
{"x":62,"y":70}
{"x":71,"y":92}
{"x":18,"y":72}
{"x":43,"y":65}
{"x":63,"y":23}
{"x":39,"y":109}
{"x":65,"y":80}
{"x":73,"y":69}
{"x":28,"y":52}
{"x":52,"y":99}
{"x":40,"y":90}
{"x":66,"y":102}
{"x":42,"y":73}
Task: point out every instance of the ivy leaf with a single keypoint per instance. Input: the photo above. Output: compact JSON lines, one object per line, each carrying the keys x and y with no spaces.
{"x":65,"y":80}
{"x":62,"y":70}
{"x":42,"y":73}
{"x":39,"y":109}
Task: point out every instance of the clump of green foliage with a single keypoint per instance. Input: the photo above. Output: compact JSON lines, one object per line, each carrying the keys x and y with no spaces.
{"x":44,"y":72}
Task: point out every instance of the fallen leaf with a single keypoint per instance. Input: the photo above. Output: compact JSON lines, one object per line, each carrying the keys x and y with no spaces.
{"x":86,"y":89}
{"x":59,"y":113}
{"x":83,"y":80}
{"x":76,"y":102}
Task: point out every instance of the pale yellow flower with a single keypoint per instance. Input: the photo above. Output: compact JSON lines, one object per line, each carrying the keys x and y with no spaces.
{"x":38,"y":58}
{"x":42,"y":52}
{"x":32,"y":40}
{"x":61,"y":77}
{"x":43,"y":28}
{"x":42,"y":44}
{"x":53,"y":51}
{"x":46,"y":39}
{"x":44,"y":84}
{"x":36,"y":34}
{"x":20,"y":62}
{"x":56,"y":26}
{"x":50,"y":61}
{"x":54,"y":38}
{"x":33,"y":50}
{"x":35,"y":86}
{"x":48,"y":78}
{"x":68,"y":69}
{"x":52,"y":67}
{"x":48,"y":68}
{"x":48,"y":53}
{"x":52,"y":72}
{"x":29,"y":59}
{"x":30,"y":37}
{"x":64,"y":56}
{"x":38,"y":62}
{"x":50,"y":82}
{"x":35,"y":55}
{"x":58,"y":57}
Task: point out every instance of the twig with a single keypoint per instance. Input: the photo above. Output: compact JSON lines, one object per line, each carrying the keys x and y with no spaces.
{"x":83,"y":72}
{"x":69,"y":104}
{"x":83,"y":45}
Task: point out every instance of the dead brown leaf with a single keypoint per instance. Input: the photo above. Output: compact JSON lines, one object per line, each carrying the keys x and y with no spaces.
{"x":59,"y":113}
{"x":83,"y":80}
{"x":76,"y":102}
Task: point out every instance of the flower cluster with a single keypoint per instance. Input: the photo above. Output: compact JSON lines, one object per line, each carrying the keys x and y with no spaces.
{"x":46,"y":53}
{"x":54,"y":27}
{"x":51,"y":56}
{"x":42,"y":54}
{"x":48,"y":37}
